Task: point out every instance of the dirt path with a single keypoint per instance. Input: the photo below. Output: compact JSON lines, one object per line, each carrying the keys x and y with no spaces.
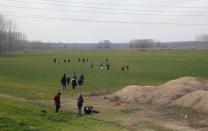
{"x":134,"y":117}
{"x":12,"y":97}
{"x":43,"y":103}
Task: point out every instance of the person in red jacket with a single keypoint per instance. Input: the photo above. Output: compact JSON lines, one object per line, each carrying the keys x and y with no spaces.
{"x":127,"y":67}
{"x":57,"y":101}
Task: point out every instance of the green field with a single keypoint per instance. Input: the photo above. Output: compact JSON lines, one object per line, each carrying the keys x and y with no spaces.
{"x":34,"y":73}
{"x":15,"y":116}
{"x":34,"y":76}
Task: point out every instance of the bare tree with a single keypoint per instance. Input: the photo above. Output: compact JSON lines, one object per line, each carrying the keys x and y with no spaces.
{"x":105,"y":44}
{"x":10,"y":39}
{"x":3,"y":27}
{"x":12,"y":35}
{"x":143,"y":43}
{"x":202,"y":37}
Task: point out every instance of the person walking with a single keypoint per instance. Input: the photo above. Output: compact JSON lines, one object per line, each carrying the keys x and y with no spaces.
{"x":83,"y":60}
{"x":79,"y":104}
{"x":74,"y":76}
{"x":81,"y":80}
{"x":107,"y":66}
{"x":91,"y":65}
{"x":54,"y":60}
{"x":63,"y":81}
{"x":74,"y":83}
{"x":123,"y":67}
{"x":127,"y":67}
{"x":68,"y":80}
{"x":57,"y":101}
{"x":64,"y":60}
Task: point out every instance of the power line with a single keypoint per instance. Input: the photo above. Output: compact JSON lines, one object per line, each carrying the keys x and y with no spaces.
{"x":79,"y":2}
{"x":103,"y":12}
{"x":107,"y":8}
{"x":70,"y":2}
{"x":106,"y":21}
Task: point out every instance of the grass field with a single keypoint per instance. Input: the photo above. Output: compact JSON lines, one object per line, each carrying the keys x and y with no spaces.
{"x":34,"y":76}
{"x":16,"y":116}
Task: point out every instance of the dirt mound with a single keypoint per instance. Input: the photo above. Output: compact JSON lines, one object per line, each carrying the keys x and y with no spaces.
{"x":131,"y":94}
{"x":197,"y":100}
{"x":175,"y":89}
{"x":184,"y":92}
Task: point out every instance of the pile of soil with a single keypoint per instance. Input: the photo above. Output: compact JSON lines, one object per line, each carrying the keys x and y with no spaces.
{"x":132,"y":94}
{"x":189,"y":92}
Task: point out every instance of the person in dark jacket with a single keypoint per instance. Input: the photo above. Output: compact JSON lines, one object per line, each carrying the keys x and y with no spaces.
{"x":68,"y":80}
{"x":107,"y":66}
{"x":91,"y":65}
{"x":63,"y":81}
{"x":123,"y":67}
{"x":54,"y":60}
{"x":81,"y":80}
{"x":89,"y":109}
{"x":74,"y":83}
{"x":74,"y":76}
{"x":57,"y":101}
{"x":79,"y":104}
{"x":64,"y":60}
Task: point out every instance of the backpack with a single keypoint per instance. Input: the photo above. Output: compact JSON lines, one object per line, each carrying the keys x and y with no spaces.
{"x":54,"y":98}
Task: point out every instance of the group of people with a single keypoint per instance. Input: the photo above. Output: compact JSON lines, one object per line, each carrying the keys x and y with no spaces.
{"x":57,"y":102}
{"x":74,"y":80}
{"x":87,"y":109}
{"x":125,"y":66}
{"x":83,"y":60}
{"x":57,"y":60}
{"x":107,"y":66}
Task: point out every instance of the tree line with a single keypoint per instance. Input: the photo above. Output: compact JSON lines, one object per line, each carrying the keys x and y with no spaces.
{"x":12,"y":40}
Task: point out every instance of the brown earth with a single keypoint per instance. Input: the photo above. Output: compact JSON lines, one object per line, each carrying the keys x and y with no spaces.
{"x":191,"y":92}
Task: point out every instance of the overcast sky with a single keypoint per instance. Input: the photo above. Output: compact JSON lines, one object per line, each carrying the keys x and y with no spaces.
{"x":115,"y":20}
